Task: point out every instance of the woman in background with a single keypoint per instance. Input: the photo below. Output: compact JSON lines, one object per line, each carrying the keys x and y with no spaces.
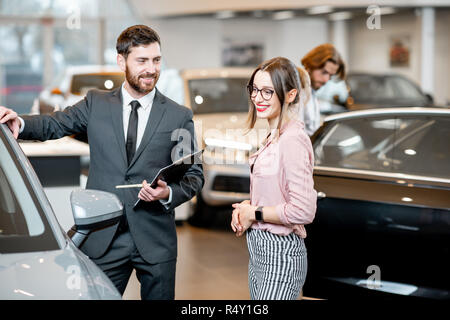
{"x":282,"y":197}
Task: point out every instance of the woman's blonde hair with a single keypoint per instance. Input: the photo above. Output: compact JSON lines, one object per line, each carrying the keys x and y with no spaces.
{"x":285,"y":76}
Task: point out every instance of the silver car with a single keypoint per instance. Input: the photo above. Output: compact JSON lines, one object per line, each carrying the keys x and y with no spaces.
{"x":37,"y":259}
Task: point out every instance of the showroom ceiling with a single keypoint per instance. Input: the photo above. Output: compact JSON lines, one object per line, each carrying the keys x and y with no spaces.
{"x":231,"y":8}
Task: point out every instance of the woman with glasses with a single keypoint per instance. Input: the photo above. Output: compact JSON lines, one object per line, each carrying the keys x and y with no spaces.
{"x":282,"y":197}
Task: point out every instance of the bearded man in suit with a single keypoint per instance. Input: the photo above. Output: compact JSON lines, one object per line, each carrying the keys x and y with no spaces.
{"x":133,"y":131}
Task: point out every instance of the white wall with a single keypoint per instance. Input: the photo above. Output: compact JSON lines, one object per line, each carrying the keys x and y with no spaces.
{"x":442,"y":63}
{"x":198,"y":42}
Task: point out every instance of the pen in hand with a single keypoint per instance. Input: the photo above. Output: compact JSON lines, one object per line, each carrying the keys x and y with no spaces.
{"x":124,"y":186}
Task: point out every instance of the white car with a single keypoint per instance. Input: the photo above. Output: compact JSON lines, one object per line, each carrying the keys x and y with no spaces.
{"x":38,"y":260}
{"x":73,"y":84}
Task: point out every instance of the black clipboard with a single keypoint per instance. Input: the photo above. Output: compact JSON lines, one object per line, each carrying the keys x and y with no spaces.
{"x":175,"y":170}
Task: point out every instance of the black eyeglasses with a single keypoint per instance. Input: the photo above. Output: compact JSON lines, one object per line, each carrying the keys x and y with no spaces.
{"x":266,"y":94}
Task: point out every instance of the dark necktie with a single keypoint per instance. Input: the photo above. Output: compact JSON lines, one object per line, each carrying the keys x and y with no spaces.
{"x":132,"y":130}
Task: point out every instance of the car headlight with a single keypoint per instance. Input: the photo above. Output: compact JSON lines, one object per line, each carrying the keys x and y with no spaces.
{"x":228,"y":152}
{"x":230,"y":144}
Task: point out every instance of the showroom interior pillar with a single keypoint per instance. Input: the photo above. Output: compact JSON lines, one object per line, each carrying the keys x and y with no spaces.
{"x":427,"y":61}
{"x":48,"y":38}
{"x":339,"y":38}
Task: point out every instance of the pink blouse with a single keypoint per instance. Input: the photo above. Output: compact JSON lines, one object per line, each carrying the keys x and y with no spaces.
{"x":282,"y":177}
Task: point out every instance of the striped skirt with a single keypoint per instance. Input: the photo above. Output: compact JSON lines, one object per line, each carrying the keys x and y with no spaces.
{"x":277,"y":266}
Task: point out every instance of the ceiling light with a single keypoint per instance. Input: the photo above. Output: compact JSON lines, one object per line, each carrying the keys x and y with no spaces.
{"x":226,"y":14}
{"x":337,"y":16}
{"x":387,"y":10}
{"x":283,"y":15}
{"x":320,"y":10}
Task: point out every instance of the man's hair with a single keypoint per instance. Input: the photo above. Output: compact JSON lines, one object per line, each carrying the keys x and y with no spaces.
{"x":135,"y":36}
{"x":318,"y":57}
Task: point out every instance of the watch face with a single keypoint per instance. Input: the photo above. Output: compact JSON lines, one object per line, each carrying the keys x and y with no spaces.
{"x":258,"y":214}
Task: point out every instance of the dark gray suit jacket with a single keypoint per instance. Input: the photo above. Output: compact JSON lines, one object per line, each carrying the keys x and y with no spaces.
{"x":99,"y":115}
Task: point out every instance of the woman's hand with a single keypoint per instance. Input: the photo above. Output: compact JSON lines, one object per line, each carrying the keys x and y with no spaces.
{"x":243,"y":217}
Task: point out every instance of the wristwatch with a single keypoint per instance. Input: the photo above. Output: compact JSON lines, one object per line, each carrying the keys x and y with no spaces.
{"x":259,"y":214}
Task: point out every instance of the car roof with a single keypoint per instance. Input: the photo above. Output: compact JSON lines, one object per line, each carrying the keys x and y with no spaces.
{"x":375,"y":74}
{"x":226,"y":72}
{"x":389,"y":111}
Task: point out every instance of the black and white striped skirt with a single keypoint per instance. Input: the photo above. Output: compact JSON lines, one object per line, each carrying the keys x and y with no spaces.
{"x":277,"y":267}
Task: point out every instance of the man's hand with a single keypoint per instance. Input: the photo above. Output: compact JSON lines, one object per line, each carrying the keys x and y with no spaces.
{"x":10,"y":117}
{"x":147,"y":193}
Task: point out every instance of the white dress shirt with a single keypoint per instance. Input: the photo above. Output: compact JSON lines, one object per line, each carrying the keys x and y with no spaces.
{"x":143,"y":112}
{"x":143,"y":115}
{"x":310,"y":114}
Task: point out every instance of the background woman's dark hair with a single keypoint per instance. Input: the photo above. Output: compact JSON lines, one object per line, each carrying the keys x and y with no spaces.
{"x":284,"y":77}
{"x":135,"y":36}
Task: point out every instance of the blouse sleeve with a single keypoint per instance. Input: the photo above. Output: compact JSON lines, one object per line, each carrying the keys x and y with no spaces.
{"x":297,"y":160}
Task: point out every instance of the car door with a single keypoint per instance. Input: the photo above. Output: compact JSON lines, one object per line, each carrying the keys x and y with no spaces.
{"x":373,"y":210}
{"x":418,"y":230}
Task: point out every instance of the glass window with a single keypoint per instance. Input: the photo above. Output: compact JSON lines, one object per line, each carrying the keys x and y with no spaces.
{"x":20,"y":72}
{"x":422,"y":147}
{"x":403,"y":89}
{"x":23,"y":226}
{"x":356,"y":144}
{"x":409,"y":145}
{"x":219,"y":95}
{"x":18,"y":214}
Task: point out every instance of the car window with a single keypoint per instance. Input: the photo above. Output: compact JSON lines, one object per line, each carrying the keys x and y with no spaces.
{"x":81,"y":83}
{"x":403,"y":89}
{"x":355,"y":144}
{"x":422,"y":147}
{"x":23,"y":226}
{"x":218,"y":95}
{"x":365,"y":88}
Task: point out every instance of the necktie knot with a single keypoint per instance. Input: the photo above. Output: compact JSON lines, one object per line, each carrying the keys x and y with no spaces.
{"x":134,"y":105}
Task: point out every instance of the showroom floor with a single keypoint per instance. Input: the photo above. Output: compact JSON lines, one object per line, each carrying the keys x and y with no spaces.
{"x":212,"y":265}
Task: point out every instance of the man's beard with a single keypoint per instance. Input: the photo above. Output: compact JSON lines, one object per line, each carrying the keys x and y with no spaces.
{"x":134,"y":83}
{"x":317,"y":85}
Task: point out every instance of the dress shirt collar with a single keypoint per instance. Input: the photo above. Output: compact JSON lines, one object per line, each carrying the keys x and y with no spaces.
{"x":145,"y":101}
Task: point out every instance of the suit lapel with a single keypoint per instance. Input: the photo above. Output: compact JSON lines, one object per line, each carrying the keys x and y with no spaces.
{"x":116,"y":108}
{"x":155,"y":117}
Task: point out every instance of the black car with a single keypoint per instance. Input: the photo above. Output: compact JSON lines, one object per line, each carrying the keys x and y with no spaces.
{"x":384,"y":90}
{"x":382,"y":226}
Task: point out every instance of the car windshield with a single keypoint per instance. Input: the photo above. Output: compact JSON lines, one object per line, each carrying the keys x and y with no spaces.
{"x":23,"y":226}
{"x":375,"y":88}
{"x":81,"y":83}
{"x":218,"y":95}
{"x":409,"y":145}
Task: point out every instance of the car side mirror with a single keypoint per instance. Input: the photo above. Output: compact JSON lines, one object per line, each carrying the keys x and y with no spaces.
{"x":92,"y":210}
{"x":429,"y":97}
